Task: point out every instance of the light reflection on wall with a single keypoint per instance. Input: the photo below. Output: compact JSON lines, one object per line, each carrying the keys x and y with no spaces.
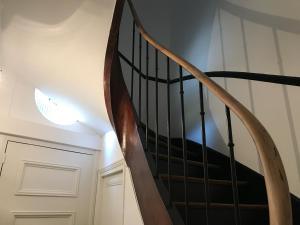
{"x":111,"y":149}
{"x":55,"y":112}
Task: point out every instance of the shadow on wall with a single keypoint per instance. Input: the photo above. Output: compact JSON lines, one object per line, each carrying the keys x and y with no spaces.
{"x":191,"y":37}
{"x":42,"y":11}
{"x":277,"y":24}
{"x":208,"y":23}
{"x":191,"y":21}
{"x":158,"y":26}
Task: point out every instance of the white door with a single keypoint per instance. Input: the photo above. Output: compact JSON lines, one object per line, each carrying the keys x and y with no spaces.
{"x":110,"y":198}
{"x":46,"y":185}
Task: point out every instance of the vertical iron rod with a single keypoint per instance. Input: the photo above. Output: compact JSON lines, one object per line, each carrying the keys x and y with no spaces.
{"x":132,"y":59}
{"x":156,"y":110}
{"x":169,"y":131}
{"x":140,"y":77}
{"x":204,"y":154}
{"x":233,"y":170}
{"x":147,"y":94}
{"x":185,"y":168}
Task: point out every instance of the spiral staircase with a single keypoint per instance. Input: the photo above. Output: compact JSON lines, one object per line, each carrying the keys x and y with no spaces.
{"x":178,"y":181}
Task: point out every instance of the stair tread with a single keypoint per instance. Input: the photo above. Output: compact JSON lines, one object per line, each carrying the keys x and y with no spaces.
{"x":221,"y":205}
{"x":191,"y":162}
{"x":173,"y":147}
{"x":201,"y":180}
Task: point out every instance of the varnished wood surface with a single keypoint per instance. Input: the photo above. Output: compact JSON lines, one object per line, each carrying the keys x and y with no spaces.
{"x":122,"y":117}
{"x":275,"y":178}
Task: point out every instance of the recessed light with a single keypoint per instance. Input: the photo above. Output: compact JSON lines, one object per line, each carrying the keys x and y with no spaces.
{"x":53,"y":111}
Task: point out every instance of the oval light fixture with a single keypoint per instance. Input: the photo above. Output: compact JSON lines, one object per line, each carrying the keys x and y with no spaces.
{"x":54,"y":112}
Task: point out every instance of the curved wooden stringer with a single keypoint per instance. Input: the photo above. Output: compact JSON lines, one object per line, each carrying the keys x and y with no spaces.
{"x":122,"y":117}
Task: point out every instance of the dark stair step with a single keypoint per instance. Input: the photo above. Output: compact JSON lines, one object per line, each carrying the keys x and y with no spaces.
{"x":194,"y":168}
{"x":219,"y":190}
{"x":190,"y":162}
{"x":174,"y":141}
{"x":151,"y":133}
{"x":201,"y":180}
{"x":194,"y":151}
{"x":220,"y":213}
{"x":174,"y":150}
{"x":201,"y":205}
{"x":164,"y":143}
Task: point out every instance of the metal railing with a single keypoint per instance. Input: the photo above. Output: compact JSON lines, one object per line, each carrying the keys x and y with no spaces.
{"x":255,"y":128}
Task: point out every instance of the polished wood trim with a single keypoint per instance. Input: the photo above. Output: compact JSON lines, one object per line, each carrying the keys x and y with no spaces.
{"x":279,"y":200}
{"x":123,"y":119}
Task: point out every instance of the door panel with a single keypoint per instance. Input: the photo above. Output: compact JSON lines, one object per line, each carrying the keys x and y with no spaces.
{"x":46,"y":186}
{"x":44,"y":218}
{"x":53,"y":180}
{"x":112,"y":199}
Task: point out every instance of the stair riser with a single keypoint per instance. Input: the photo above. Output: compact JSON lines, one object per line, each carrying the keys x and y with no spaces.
{"x":221,"y":192}
{"x":176,"y":153}
{"x":218,"y":193}
{"x":193,"y":170}
{"x":226,"y":216}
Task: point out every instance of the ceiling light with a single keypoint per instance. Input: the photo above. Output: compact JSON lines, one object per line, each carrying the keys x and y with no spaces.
{"x":57,"y":113}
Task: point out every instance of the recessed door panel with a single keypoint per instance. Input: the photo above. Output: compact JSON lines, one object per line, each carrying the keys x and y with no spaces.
{"x":45,"y":185}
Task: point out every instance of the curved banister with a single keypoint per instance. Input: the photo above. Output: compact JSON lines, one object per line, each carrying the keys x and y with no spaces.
{"x":280,"y":209}
{"x":122,"y":116}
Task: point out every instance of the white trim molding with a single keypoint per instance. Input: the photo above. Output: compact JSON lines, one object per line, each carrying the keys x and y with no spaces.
{"x":44,"y":214}
{"x":116,"y":167}
{"x":47,"y":193}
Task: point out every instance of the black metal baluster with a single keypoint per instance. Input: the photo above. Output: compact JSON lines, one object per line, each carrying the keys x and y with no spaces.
{"x":169,"y":131}
{"x":156,"y":110}
{"x":204,"y":154}
{"x":132,"y":60}
{"x":185,"y":168}
{"x":147,"y":94}
{"x":233,"y":170}
{"x":140,"y":77}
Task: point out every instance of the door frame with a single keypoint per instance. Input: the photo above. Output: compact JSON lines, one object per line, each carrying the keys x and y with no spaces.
{"x":112,"y":169}
{"x":62,"y":147}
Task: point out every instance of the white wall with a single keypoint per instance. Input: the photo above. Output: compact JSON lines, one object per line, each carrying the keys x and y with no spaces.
{"x":1,"y":15}
{"x":20,"y":116}
{"x":112,"y":152}
{"x":253,"y":36}
{"x":59,"y":47}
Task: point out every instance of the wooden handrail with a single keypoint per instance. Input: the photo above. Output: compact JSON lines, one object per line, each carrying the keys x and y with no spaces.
{"x":122,"y":116}
{"x":280,"y":209}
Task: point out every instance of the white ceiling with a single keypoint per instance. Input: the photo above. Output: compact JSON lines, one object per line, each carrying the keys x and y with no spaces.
{"x":59,"y":47}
